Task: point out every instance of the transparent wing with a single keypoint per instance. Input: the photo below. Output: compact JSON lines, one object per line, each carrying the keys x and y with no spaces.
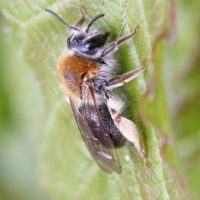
{"x":94,"y":132}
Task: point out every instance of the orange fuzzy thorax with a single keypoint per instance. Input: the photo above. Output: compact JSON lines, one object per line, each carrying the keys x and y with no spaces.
{"x":72,"y":69}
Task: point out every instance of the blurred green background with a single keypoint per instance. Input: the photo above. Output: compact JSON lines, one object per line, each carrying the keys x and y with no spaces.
{"x":24,"y":109}
{"x":21,"y":116}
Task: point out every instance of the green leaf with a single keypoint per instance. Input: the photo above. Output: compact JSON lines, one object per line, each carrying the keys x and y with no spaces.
{"x":66,"y":169}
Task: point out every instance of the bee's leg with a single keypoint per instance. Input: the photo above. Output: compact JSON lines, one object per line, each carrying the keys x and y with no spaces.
{"x":120,"y":80}
{"x":125,"y":126}
{"x":114,"y":45}
{"x":81,"y":19}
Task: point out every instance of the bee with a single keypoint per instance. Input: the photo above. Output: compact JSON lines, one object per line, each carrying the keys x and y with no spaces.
{"x":85,"y":75}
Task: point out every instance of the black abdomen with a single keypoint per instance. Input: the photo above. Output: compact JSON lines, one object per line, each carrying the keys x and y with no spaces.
{"x":117,"y":138}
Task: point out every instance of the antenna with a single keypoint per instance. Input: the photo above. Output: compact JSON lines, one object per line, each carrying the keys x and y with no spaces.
{"x":61,"y":20}
{"x":93,"y":20}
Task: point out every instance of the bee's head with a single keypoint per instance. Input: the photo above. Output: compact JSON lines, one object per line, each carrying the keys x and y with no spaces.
{"x":87,"y":41}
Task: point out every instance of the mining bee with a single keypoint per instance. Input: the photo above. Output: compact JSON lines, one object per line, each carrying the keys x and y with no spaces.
{"x":85,"y":74}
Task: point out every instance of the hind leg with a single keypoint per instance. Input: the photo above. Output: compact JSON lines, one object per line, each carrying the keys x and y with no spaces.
{"x":127,"y":128}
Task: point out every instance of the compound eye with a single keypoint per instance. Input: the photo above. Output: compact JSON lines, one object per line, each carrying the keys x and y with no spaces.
{"x":75,"y":41}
